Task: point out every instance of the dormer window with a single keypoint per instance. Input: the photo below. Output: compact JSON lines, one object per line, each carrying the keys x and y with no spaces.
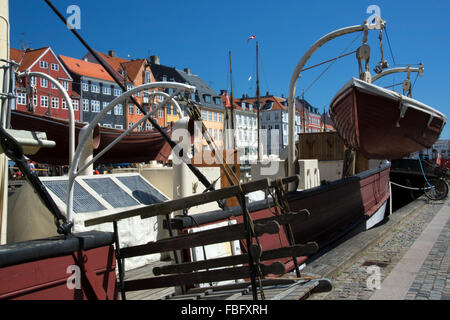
{"x":164,"y":78}
{"x":147,"y":77}
{"x":243,"y":105}
{"x":250,"y":107}
{"x":207,"y":98}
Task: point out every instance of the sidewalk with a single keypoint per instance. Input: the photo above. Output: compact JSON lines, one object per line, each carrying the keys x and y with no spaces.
{"x":423,"y":272}
{"x":410,"y":252}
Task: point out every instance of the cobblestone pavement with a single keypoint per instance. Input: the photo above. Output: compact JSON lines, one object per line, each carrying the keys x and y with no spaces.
{"x":357,"y":282}
{"x":433,"y":280}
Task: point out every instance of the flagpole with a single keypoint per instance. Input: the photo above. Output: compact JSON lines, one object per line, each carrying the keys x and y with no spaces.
{"x":257,"y":99}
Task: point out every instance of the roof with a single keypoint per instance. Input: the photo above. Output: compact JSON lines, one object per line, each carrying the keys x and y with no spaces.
{"x":26,"y":58}
{"x":176,"y":75}
{"x":269,"y":103}
{"x":203,"y":90}
{"x":85,"y":68}
{"x":16,"y":54}
{"x":301,"y":104}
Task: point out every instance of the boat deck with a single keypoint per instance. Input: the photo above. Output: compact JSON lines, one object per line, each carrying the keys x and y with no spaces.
{"x":285,"y":288}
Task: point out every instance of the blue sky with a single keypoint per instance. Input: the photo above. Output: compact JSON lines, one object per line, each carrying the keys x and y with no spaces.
{"x":199,"y":34}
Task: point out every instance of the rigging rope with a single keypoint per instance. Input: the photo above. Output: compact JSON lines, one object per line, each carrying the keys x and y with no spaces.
{"x":390,"y":47}
{"x":331,"y":64}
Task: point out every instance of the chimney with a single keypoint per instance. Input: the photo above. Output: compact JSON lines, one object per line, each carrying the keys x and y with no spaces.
{"x":282,"y":95}
{"x":154,"y":59}
{"x":112,"y":53}
{"x":267,"y":93}
{"x":223,"y":92}
{"x":187,"y":70}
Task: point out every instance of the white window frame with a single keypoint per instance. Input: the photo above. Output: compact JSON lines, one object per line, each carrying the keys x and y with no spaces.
{"x":95,"y":106}
{"x":21,"y":98}
{"x":43,"y":64}
{"x":44,"y":83}
{"x":55,"y":103}
{"x":44,"y":101}
{"x":64,"y":104}
{"x":54,"y":66}
{"x":86,"y":104}
{"x":75,"y":104}
{"x":85,"y":85}
{"x":118,"y":126}
{"x":106,"y":89}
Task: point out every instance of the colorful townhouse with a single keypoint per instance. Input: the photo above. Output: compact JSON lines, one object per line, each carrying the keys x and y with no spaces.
{"x":134,"y":73}
{"x":310,"y":116}
{"x":274,"y":120}
{"x":245,"y":125}
{"x":209,"y":102}
{"x":96,"y":89}
{"x":47,"y":99}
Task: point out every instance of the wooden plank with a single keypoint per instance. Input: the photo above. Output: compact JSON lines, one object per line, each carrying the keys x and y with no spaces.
{"x":178,"y":204}
{"x":217,"y":235}
{"x":293,"y":251}
{"x":201,"y":277}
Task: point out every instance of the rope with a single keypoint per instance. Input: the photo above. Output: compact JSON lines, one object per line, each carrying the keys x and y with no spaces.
{"x":425,"y":177}
{"x":389,"y":44}
{"x":410,"y":188}
{"x":331,"y":64}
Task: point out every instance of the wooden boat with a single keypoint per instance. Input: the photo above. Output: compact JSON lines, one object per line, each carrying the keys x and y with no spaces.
{"x":383,"y":124}
{"x":136,"y":146}
{"x":358,"y":200}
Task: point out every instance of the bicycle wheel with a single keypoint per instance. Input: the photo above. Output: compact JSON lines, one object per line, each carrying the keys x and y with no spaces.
{"x":438,"y":189}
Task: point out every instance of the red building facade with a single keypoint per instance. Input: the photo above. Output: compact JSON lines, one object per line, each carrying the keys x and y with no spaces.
{"x":47,"y":99}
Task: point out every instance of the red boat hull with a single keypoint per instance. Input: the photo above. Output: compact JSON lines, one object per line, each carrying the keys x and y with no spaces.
{"x":79,"y":268}
{"x":134,"y":147}
{"x":374,"y":124}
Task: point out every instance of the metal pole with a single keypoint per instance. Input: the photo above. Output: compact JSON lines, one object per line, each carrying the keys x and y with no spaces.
{"x":293,"y":83}
{"x":398,"y":70}
{"x":258,"y":98}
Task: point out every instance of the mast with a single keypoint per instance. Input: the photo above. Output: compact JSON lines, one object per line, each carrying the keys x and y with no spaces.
{"x":258,"y":102}
{"x":232,"y":104}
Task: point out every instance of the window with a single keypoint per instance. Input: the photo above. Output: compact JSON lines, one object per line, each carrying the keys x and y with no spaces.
{"x":63,"y":104}
{"x":130,"y":109}
{"x":118,"y":126}
{"x":43,"y":64}
{"x":148,"y":126}
{"x":44,"y":101}
{"x":118,"y":110}
{"x":117,"y":91}
{"x":147,"y":76}
{"x":207,"y":98}
{"x":33,"y":80}
{"x":44,"y":83}
{"x":21,"y":98}
{"x":130,"y":124}
{"x":54,"y":67}
{"x":243,"y":106}
{"x":220,"y":117}
{"x":160,"y":113}
{"x":95,"y":106}
{"x":107,"y":125}
{"x":169,"y":110}
{"x":53,"y":86}
{"x":75,"y":104}
{"x":85,"y":85}
{"x":138,"y":111}
{"x":65,"y":85}
{"x":95,"y":87}
{"x":35,"y":100}
{"x":106,"y":89}
{"x":129,"y":87}
{"x":215,"y":116}
{"x":85,"y":105}
{"x":105,"y":105}
{"x":204,"y":115}
{"x":210,"y":116}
